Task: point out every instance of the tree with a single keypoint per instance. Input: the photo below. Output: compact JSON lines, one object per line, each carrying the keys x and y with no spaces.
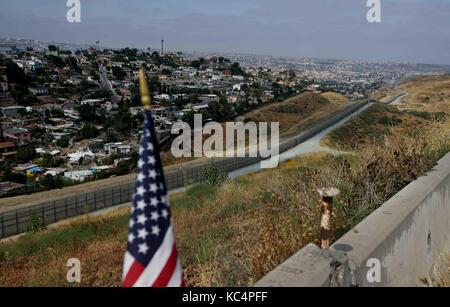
{"x":63,"y":141}
{"x":122,"y":168}
{"x":48,"y":160}
{"x":94,"y":75}
{"x":196,"y":64}
{"x":236,"y":69}
{"x":100,"y":175}
{"x":124,"y":121}
{"x":87,"y":113}
{"x":188,"y":117}
{"x":223,"y":60}
{"x":220,"y":110}
{"x":52,"y":48}
{"x":88,"y":132}
{"x":119,"y":73}
{"x":25,"y":154}
{"x":59,"y":62}
{"x":100,"y":94}
{"x":51,"y":182}
{"x":72,"y":62}
{"x":13,"y":177}
{"x":110,"y":137}
{"x":166,"y":71}
{"x":15,"y":74}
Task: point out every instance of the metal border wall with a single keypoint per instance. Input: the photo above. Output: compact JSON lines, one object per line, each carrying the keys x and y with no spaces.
{"x":16,"y":221}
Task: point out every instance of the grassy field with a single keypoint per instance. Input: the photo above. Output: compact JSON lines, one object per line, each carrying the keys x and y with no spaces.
{"x":233,"y":234}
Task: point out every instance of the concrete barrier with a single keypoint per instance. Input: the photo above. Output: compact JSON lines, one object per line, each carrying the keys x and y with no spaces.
{"x":405,"y":235}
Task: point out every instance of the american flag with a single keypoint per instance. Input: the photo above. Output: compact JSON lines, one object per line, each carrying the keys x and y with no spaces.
{"x":151,"y":259}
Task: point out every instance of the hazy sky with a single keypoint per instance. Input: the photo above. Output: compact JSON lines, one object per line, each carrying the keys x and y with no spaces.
{"x":411,"y":30}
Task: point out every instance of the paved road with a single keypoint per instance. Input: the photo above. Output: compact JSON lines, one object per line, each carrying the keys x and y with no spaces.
{"x":107,"y":84}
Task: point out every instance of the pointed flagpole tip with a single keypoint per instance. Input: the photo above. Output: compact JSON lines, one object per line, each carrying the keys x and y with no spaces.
{"x":145,"y":95}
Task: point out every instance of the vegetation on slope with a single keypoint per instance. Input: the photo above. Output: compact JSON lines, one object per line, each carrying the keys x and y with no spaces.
{"x":233,"y":234}
{"x":296,"y":113}
{"x":427,"y":93}
{"x":375,"y":122}
{"x":332,"y":96}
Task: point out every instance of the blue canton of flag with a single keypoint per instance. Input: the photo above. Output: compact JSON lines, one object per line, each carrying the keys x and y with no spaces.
{"x":151,"y":259}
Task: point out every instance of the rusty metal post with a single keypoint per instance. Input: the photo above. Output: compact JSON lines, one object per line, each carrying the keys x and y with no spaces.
{"x":327,"y":195}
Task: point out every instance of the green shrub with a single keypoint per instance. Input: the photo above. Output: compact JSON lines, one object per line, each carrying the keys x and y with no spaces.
{"x":36,"y":223}
{"x":213,"y":175}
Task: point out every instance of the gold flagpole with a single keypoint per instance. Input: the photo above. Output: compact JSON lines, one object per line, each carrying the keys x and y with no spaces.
{"x":145,"y":95}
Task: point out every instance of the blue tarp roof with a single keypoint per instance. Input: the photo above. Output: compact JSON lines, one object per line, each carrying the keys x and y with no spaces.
{"x":34,"y":169}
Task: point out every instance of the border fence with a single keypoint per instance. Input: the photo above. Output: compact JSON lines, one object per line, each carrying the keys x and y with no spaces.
{"x":17,"y":220}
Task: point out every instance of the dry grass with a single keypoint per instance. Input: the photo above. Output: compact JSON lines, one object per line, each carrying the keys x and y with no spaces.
{"x":375,"y":122}
{"x":234,"y":234}
{"x":297,"y":113}
{"x":384,"y":93}
{"x":332,"y":96}
{"x":40,"y":259}
{"x":427,"y":93}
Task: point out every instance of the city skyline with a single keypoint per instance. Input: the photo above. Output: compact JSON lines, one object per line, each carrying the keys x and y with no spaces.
{"x":409,"y":32}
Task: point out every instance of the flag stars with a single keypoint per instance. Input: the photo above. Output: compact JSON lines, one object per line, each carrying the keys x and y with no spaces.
{"x":140,"y":191}
{"x":143,"y":248}
{"x":142,"y":233}
{"x":155,"y":216}
{"x":140,"y":177}
{"x":153,"y":188}
{"x":141,"y":219}
{"x":155,"y":230}
{"x":131,"y":223}
{"x":131,"y":237}
{"x":141,"y":205}
{"x":151,"y":160}
{"x":141,"y":163}
{"x":152,"y":174}
{"x":154,"y":202}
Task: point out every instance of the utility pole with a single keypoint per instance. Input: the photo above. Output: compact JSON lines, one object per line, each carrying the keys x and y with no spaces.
{"x":162,"y":47}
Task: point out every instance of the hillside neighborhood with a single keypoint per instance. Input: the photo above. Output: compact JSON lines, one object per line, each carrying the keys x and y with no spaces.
{"x":70,"y":116}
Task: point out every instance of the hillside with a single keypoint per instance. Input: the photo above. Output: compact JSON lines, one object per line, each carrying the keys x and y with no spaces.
{"x":334,"y":97}
{"x":296,"y":113}
{"x":375,"y":122}
{"x":427,"y":93}
{"x":384,"y":93}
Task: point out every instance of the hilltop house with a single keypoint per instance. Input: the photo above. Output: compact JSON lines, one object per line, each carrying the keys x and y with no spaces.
{"x":18,"y":135}
{"x":38,"y":90}
{"x":117,"y":148}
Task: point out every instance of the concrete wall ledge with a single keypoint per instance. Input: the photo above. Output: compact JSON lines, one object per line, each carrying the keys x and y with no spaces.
{"x":406,"y":235}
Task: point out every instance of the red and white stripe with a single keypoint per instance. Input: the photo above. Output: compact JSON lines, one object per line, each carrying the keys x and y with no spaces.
{"x":164,"y":270}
